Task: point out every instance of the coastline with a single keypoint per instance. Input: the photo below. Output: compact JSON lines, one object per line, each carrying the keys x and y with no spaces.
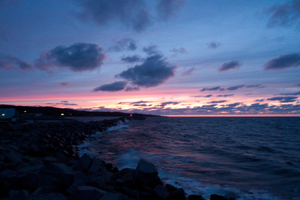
{"x":40,"y":161}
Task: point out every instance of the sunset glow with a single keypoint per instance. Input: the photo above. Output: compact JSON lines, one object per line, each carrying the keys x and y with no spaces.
{"x":184,"y":58}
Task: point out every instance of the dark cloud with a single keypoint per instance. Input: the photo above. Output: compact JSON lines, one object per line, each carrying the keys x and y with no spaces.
{"x":169,"y":103}
{"x":286,"y":14}
{"x":9,"y":62}
{"x":181,"y":50}
{"x":124,"y":44}
{"x":213,"y":45}
{"x":132,"y":59}
{"x":78,"y":57}
{"x":65,"y":83}
{"x":221,"y":101}
{"x":226,"y":95}
{"x":210,"y":89}
{"x":255,"y":86}
{"x":283,"y":61}
{"x":130,"y":88}
{"x":205,"y":96}
{"x":112,"y":87}
{"x":294,"y":93}
{"x":235,"y":87}
{"x":283,"y":99}
{"x":151,"y":50}
{"x":259,"y":100}
{"x":188,"y":72}
{"x":130,"y":13}
{"x":65,"y":103}
{"x":212,"y":109}
{"x":167,"y":9}
{"x":231,"y":65}
{"x":152,"y":72}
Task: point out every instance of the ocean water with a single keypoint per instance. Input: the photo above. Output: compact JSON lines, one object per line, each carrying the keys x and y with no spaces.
{"x":245,"y":157}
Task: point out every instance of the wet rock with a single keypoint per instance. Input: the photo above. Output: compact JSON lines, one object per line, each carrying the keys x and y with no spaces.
{"x":161,"y":192}
{"x":18,"y":194}
{"x":195,"y":197}
{"x":81,"y":179}
{"x":170,"y":188}
{"x":177,"y":194}
{"x":128,"y":180}
{"x":88,"y":193}
{"x":5,"y":187}
{"x":145,"y":172}
{"x":49,"y":196}
{"x":83,"y":163}
{"x":96,"y":166}
{"x":13,"y":157}
{"x":217,"y":197}
{"x":102,"y":180}
{"x":33,"y":181}
{"x":115,"y":196}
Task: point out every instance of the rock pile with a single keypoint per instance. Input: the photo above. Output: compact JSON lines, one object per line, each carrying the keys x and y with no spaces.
{"x":40,"y":161}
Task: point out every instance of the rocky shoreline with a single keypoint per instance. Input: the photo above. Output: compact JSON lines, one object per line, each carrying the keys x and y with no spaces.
{"x":40,"y":161}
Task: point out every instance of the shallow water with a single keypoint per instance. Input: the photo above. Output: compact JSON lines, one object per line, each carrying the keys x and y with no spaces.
{"x":245,"y":157}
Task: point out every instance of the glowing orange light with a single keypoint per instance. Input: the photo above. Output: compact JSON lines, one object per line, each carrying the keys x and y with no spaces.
{"x":130,"y":115}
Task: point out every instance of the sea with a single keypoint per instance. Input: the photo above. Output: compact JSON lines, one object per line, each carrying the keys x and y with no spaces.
{"x":242,"y":157}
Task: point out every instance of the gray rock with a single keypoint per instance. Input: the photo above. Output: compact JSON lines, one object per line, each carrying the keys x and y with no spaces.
{"x":161,"y":191}
{"x":50,"y":196}
{"x":196,"y":197}
{"x":18,"y":194}
{"x":112,"y":196}
{"x":129,"y":180}
{"x":59,"y":167}
{"x":83,"y":163}
{"x":13,"y":157}
{"x":115,"y":196}
{"x":64,"y":180}
{"x":96,"y":166}
{"x":145,"y":172}
{"x":33,"y":181}
{"x":88,"y":193}
{"x":217,"y":197}
{"x":80,"y":180}
{"x":101,"y":181}
{"x":177,"y":194}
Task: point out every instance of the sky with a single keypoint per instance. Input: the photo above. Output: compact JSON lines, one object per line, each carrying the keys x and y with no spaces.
{"x":165,"y":57}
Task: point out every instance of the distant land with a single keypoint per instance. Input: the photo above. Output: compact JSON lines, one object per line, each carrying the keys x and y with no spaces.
{"x":52,"y":111}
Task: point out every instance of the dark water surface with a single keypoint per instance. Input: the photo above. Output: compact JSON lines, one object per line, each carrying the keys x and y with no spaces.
{"x":246,"y":157}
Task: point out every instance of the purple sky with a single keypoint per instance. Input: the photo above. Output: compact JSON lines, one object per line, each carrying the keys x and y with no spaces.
{"x":169,"y":57}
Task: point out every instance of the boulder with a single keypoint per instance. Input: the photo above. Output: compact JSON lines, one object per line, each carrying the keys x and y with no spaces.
{"x":102,"y":180}
{"x":170,"y":188}
{"x":217,"y":197}
{"x":83,"y":164}
{"x":145,"y":172}
{"x":161,"y":192}
{"x":115,"y":196}
{"x":59,"y":167}
{"x":96,"y":166}
{"x":18,"y":194}
{"x":13,"y":157}
{"x":5,"y":186}
{"x":80,"y":180}
{"x":195,"y":197}
{"x":177,"y":194}
{"x":49,"y":196}
{"x":88,"y":193}
{"x":32,"y":181}
{"x":128,"y":180}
